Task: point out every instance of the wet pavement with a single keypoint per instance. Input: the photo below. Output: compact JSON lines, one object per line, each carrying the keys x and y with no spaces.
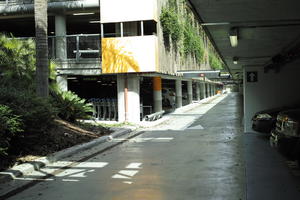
{"x":196,"y":154}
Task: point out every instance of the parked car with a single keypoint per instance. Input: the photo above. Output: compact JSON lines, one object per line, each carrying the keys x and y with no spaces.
{"x":168,"y":97}
{"x":286,"y":135}
{"x":264,"y":121}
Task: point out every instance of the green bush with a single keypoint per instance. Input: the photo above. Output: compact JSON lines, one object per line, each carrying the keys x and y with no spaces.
{"x":36,"y":113}
{"x":17,"y":62}
{"x":70,"y":106}
{"x":10,"y":125}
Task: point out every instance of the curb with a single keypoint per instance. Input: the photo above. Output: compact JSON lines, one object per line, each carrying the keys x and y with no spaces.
{"x":26,"y":168}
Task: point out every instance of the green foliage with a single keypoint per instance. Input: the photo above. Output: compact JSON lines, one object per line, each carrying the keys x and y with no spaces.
{"x":192,"y":42}
{"x":36,"y":113}
{"x":171,"y":26}
{"x":10,"y":125}
{"x":17,"y":61}
{"x":181,"y":31}
{"x":215,"y":62}
{"x":185,"y":34}
{"x":70,"y":106}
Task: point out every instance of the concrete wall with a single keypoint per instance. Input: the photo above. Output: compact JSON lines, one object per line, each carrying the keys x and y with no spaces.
{"x":133,"y":10}
{"x":271,"y":90}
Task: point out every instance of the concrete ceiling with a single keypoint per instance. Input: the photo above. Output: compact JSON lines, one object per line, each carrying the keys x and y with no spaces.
{"x":265,"y":28}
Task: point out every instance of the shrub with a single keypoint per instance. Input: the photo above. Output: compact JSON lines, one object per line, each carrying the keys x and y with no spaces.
{"x":70,"y":106}
{"x":36,"y":113}
{"x":10,"y":124}
{"x":17,"y":62}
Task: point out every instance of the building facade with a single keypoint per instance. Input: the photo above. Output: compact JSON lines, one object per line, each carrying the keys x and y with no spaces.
{"x":123,"y":54}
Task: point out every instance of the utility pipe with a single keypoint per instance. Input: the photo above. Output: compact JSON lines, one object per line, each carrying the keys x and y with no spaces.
{"x":52,"y":6}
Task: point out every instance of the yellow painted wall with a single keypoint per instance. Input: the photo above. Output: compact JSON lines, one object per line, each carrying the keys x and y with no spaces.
{"x":128,"y":10}
{"x":129,"y":54}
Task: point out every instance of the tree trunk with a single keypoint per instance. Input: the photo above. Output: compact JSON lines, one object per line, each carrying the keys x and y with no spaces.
{"x":41,"y":28}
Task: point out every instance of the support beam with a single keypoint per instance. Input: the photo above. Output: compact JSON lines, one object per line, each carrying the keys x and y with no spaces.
{"x":178,"y":93}
{"x":62,"y":82}
{"x":157,"y":95}
{"x":198,"y":91}
{"x":203,"y":90}
{"x":60,"y":39}
{"x":190,"y":91}
{"x":128,"y":98}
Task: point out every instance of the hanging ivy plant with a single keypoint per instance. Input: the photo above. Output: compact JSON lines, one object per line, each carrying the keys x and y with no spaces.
{"x":215,"y":62}
{"x":179,"y":28}
{"x":170,"y":24}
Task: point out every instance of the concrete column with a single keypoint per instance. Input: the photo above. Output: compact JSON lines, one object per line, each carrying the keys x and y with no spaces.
{"x":178,"y":93}
{"x":198,"y":91}
{"x":190,"y":91}
{"x":215,"y":89}
{"x":157,"y":96}
{"x":203,"y":90}
{"x":208,"y":89}
{"x":131,"y":103}
{"x":60,"y":33}
{"x":62,"y":82}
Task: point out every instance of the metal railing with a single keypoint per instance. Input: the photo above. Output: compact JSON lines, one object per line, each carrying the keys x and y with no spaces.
{"x":81,"y":46}
{"x":77,"y":47}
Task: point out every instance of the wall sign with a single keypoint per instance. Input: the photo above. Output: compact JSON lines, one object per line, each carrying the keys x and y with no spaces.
{"x":252,"y":77}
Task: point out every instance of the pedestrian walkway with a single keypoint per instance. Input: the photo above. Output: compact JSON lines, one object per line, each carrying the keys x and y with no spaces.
{"x":201,"y":153}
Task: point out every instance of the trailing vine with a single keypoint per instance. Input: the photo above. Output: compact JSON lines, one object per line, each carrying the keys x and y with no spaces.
{"x":170,"y":23}
{"x":185,"y":35}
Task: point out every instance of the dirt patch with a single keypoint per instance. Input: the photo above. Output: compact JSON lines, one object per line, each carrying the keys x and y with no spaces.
{"x":61,"y":135}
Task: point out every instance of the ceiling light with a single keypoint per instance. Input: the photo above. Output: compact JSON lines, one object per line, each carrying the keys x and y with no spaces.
{"x":233,"y":37}
{"x":90,"y":13}
{"x":235,"y":60}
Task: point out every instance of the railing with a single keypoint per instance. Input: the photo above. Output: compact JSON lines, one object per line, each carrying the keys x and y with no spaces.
{"x":79,"y":47}
{"x":75,"y":46}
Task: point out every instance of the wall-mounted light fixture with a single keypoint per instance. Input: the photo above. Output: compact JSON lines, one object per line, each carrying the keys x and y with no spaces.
{"x":233,"y":36}
{"x":235,"y":60}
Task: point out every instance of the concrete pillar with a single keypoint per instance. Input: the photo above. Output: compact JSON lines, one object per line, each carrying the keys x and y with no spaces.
{"x":190,"y":91}
{"x":131,"y":103}
{"x":215,"y":89}
{"x":203,"y":90}
{"x":60,"y":33}
{"x":62,"y":82}
{"x":178,"y":93}
{"x":198,"y":91}
{"x":208,"y":89}
{"x":157,"y":96}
